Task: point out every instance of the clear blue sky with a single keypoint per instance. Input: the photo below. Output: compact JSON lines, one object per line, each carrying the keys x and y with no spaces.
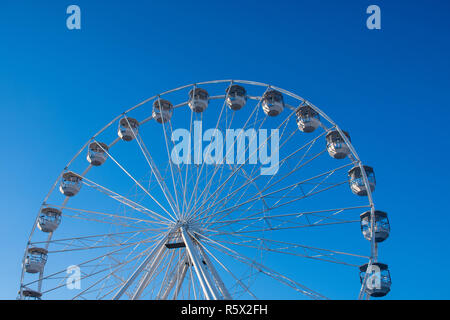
{"x":390,"y":86}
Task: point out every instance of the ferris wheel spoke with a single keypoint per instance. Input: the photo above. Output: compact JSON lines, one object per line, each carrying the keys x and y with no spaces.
{"x":100,"y":247}
{"x":168,"y":276}
{"x":219,"y":233}
{"x":81,"y":264}
{"x":112,"y":215}
{"x":303,"y":182}
{"x":309,"y":192}
{"x":187,"y":169}
{"x":111,"y":219}
{"x":121,"y":280}
{"x":251,"y":180}
{"x":116,"y":286}
{"x":97,"y":291}
{"x":101,"y":236}
{"x":171,"y":279}
{"x":215,"y":200}
{"x":70,"y":247}
{"x":230,"y":195}
{"x":203,"y":164}
{"x":135,"y":181}
{"x":291,"y":187}
{"x":180,"y":277}
{"x":120,"y":264}
{"x":307,"y":145}
{"x":286,"y":122}
{"x":215,"y":203}
{"x":278,"y":228}
{"x":258,"y":196}
{"x":298,"y":166}
{"x":126,"y":201}
{"x":231,"y":215}
{"x":178,"y":181}
{"x":103,"y":220}
{"x":93,"y":274}
{"x":265,"y":270}
{"x":148,"y":284}
{"x":101,"y":259}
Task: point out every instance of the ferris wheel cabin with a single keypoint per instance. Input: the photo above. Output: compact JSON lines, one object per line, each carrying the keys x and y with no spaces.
{"x":49,"y":219}
{"x":308,"y":119}
{"x":236,"y":97}
{"x":356,"y":180}
{"x":29,"y":294}
{"x":382,"y":226}
{"x":97,"y":153}
{"x":272,"y":103}
{"x":336,"y":146}
{"x":162,"y":110}
{"x":128,"y":128}
{"x":70,"y":184}
{"x":35,"y":260}
{"x":378,"y":280}
{"x":198,"y":99}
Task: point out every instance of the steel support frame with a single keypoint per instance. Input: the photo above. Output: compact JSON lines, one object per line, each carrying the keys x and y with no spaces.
{"x":156,"y":251}
{"x":209,"y":280}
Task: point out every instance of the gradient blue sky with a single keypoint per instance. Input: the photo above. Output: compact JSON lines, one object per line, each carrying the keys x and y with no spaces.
{"x":390,"y":86}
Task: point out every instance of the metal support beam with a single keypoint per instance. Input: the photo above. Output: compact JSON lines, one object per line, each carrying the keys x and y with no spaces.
{"x":208,"y":287}
{"x":141,"y":267}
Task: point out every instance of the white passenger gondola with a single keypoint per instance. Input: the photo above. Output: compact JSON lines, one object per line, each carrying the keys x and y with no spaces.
{"x":336,"y":146}
{"x":198,"y":99}
{"x":128,"y":128}
{"x":378,"y":279}
{"x":49,"y":219}
{"x":29,"y":294}
{"x":162,"y":110}
{"x":35,"y":260}
{"x":236,"y":97}
{"x":308,"y":119}
{"x":97,"y":153}
{"x":382,"y":226}
{"x":272,"y":103}
{"x":70,"y":184}
{"x":356,"y":180}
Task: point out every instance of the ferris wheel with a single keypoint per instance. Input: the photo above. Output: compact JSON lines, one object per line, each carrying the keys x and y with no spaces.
{"x":225,"y":189}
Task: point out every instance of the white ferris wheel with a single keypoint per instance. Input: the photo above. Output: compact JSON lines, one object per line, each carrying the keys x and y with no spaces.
{"x":225,"y":189}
